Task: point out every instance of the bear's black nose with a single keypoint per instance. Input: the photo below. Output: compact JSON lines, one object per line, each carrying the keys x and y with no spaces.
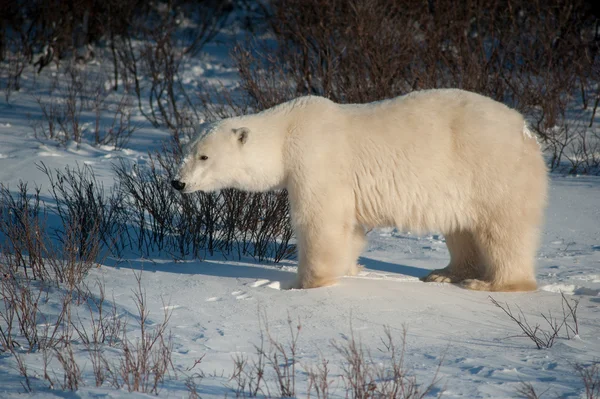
{"x":177,"y":185}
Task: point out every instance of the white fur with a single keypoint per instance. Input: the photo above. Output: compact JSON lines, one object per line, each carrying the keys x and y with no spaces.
{"x":441,"y":160}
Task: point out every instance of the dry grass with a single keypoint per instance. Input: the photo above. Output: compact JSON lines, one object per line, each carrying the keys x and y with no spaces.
{"x":590,"y":380}
{"x":365,"y":378}
{"x":545,"y":337}
{"x":272,"y":372}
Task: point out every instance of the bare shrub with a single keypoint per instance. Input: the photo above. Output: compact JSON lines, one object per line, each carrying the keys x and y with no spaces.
{"x":21,"y":318}
{"x":71,"y":370}
{"x":228,"y":222}
{"x":144,"y":363}
{"x":540,"y":57}
{"x":275,"y":363}
{"x":154,"y":213}
{"x":590,"y":379}
{"x":80,"y":92}
{"x":106,"y":326}
{"x":48,"y":128}
{"x":319,"y":379}
{"x":590,"y":376}
{"x":22,"y":367}
{"x":546,"y":337}
{"x":584,"y":151}
{"x":153,"y":68}
{"x":21,"y":299}
{"x":22,"y":227}
{"x":12,"y":65}
{"x":31,"y":263}
{"x":527,"y":391}
{"x":118,"y":132}
{"x":282,"y":357}
{"x":73,"y":93}
{"x":248,"y":378}
{"x":252,"y":377}
{"x":62,"y":114}
{"x":364,"y":378}
{"x":192,"y":386}
{"x":87,"y":212}
{"x":192,"y":381}
{"x":27,"y":246}
{"x":121,"y":128}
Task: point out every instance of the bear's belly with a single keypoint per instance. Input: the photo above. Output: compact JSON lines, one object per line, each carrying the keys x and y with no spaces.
{"x":418,"y":208}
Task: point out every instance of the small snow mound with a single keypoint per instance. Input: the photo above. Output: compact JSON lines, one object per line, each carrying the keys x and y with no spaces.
{"x":125,"y":151}
{"x":571,"y":289}
{"x":276,"y":285}
{"x":259,"y":283}
{"x":369,"y":275}
{"x":48,"y":153}
{"x":558,"y":288}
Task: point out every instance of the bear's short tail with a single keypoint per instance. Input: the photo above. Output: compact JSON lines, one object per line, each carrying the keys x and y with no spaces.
{"x":529,"y":135}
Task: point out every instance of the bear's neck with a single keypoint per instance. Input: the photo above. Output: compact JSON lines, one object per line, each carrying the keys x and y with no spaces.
{"x":266,"y":167}
{"x":271,"y":130}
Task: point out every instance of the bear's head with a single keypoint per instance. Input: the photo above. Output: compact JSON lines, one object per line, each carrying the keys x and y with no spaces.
{"x":229,"y":154}
{"x":213,"y":160}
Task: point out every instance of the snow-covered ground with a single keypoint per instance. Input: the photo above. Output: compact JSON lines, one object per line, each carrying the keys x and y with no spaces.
{"x":217,"y":304}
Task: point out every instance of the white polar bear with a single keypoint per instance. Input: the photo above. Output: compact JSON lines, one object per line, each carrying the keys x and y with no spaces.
{"x":435,"y":160}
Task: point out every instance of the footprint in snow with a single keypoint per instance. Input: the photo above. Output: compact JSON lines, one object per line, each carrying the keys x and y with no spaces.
{"x":197,"y":337}
{"x":241,"y":295}
{"x":475,"y":370}
{"x":276,"y":285}
{"x":259,"y":283}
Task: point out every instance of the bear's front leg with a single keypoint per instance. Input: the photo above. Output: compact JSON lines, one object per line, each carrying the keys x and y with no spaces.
{"x":324,"y":219}
{"x":324,"y":255}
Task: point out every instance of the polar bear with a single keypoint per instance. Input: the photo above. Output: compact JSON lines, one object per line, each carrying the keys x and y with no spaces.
{"x":437,"y":160}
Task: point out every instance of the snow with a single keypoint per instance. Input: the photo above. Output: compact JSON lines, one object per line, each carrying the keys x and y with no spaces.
{"x":217,"y":305}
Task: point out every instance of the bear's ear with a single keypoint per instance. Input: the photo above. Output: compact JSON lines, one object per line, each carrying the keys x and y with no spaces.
{"x":242,"y":134}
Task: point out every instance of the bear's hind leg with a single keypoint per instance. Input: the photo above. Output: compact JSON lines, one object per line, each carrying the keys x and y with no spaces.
{"x":508,"y":254}
{"x":465,"y":260}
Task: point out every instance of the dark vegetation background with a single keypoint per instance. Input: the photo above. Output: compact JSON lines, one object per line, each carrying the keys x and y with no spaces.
{"x":538,"y":56}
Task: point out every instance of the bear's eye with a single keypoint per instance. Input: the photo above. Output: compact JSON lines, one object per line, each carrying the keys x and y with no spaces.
{"x":203,"y":157}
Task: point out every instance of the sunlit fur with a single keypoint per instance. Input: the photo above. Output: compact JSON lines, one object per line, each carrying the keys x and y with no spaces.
{"x":437,"y":160}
